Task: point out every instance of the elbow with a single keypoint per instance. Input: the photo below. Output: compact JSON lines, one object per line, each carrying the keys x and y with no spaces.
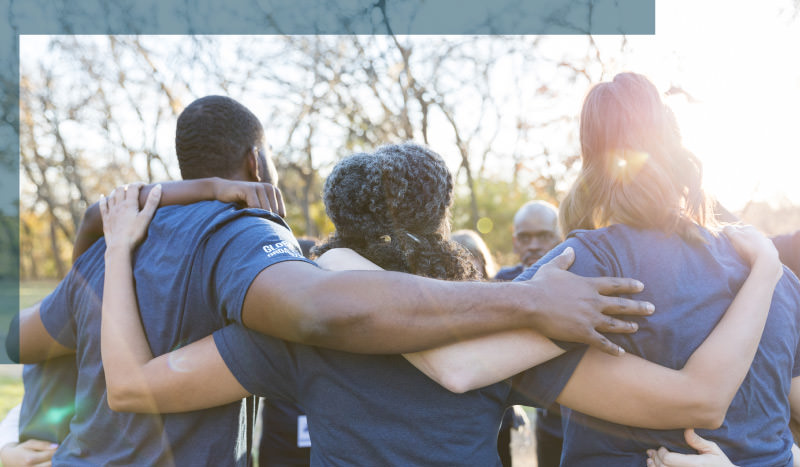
{"x":709,"y":413}
{"x":456,"y":382}
{"x":122,"y":398}
{"x":709,"y":421}
{"x":118,"y":400}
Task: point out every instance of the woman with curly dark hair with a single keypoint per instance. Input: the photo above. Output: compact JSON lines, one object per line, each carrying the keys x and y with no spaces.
{"x":392,"y":206}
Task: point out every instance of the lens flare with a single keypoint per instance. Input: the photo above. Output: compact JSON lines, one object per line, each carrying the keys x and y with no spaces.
{"x":485,"y":225}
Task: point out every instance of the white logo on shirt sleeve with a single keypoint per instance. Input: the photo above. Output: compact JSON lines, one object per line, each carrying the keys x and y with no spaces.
{"x":303,"y":438}
{"x":281,"y":248}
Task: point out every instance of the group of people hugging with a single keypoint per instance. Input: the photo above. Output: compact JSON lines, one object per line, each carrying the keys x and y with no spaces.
{"x":188,"y":298}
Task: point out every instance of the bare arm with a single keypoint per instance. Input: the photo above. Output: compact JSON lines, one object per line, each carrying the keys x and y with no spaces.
{"x":629,"y":389}
{"x":33,"y":342}
{"x":390,"y":312}
{"x":135,"y":381}
{"x":465,"y":365}
{"x":251,"y":194}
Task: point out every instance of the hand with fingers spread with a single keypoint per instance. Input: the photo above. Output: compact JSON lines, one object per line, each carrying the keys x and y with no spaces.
{"x":32,"y":452}
{"x":710,"y":455}
{"x":251,"y":194}
{"x":124,"y":226}
{"x":580,"y":306}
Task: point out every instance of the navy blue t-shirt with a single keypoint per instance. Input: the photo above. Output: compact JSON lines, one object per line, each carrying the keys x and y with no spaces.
{"x":691,"y":287}
{"x":192,"y":273}
{"x":49,"y":400}
{"x":379,"y":409}
{"x":509,"y":273}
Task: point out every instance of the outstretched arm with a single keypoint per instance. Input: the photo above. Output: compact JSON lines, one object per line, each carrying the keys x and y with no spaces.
{"x":629,"y":389}
{"x":251,"y":194}
{"x":465,"y":365}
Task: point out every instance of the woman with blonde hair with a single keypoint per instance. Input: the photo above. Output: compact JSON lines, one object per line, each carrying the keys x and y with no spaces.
{"x":637,"y":209}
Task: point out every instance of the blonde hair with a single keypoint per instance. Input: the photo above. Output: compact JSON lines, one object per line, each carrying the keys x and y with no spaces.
{"x":635,"y":168}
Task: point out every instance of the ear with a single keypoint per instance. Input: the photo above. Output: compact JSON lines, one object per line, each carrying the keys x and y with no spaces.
{"x":251,"y":164}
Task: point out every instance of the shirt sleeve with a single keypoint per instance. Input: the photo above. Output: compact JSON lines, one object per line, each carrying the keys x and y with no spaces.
{"x":238,"y":252}
{"x":542,"y":384}
{"x":56,"y":312}
{"x":263,"y":365}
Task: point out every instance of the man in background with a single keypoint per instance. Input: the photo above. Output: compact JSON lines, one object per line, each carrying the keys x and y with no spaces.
{"x":536,"y":232}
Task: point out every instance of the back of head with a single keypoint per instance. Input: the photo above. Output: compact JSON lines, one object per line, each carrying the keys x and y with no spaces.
{"x":392,"y":207}
{"x":214,"y":135}
{"x":635,"y":170}
{"x":478,"y":249}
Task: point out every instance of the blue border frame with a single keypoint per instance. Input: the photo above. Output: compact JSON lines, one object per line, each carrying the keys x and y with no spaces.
{"x":456,"y":17}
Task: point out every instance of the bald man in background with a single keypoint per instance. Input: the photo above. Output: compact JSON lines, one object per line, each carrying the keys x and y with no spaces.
{"x":536,"y":232}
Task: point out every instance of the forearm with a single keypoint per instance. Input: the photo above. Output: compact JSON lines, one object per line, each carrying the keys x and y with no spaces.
{"x":379,"y":312}
{"x":479,"y":362}
{"x":123,"y":344}
{"x":177,"y":192}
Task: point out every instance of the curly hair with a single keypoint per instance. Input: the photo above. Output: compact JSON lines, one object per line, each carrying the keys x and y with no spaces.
{"x":213,"y":136}
{"x":393,"y":207}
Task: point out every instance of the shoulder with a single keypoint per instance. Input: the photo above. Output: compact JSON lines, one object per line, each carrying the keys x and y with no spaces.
{"x":509,"y":272}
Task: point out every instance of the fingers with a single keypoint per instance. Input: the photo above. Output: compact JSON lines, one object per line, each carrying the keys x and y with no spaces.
{"x":602,"y":343}
{"x":151,"y":204}
{"x":610,"y":324}
{"x":39,"y":445}
{"x":38,"y":452}
{"x":263,"y":199}
{"x":131,"y":191}
{"x":103,"y":204}
{"x":562,"y":261}
{"x":700,"y":444}
{"x":272,"y":200}
{"x":626,"y":306}
{"x":279,"y":200}
{"x":617,"y":285}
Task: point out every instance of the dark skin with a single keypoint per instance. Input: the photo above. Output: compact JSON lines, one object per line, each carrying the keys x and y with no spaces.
{"x":389,"y":312}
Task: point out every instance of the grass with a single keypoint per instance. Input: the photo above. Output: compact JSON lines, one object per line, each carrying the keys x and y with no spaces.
{"x":10,"y":393}
{"x":30,"y":292}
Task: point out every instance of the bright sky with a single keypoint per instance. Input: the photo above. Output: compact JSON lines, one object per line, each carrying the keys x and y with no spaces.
{"x":741,"y":61}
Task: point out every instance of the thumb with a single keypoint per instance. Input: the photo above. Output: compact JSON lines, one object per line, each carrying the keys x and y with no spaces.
{"x":564,"y":260}
{"x":151,"y":204}
{"x":701,"y":445}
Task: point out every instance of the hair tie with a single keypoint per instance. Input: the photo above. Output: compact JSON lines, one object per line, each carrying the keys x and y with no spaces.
{"x":413,"y":237}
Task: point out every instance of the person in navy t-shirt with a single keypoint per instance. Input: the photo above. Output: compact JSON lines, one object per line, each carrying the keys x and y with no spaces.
{"x":637,"y":209}
{"x":377,"y":410}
